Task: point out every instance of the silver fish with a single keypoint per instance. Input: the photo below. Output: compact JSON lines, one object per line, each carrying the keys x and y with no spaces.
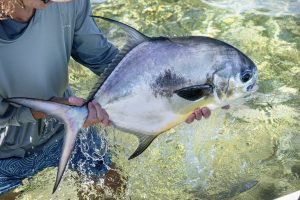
{"x":154,"y":84}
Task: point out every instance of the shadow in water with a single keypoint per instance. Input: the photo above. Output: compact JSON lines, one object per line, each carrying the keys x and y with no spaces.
{"x":235,"y":190}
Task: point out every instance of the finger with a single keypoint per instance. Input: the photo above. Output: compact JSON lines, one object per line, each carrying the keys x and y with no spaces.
{"x":198,"y":113}
{"x":101,"y":114}
{"x":92,"y":116}
{"x":205,"y":112}
{"x":88,"y":120}
{"x":106,"y":117}
{"x":226,"y":107}
{"x":191,"y":118}
{"x":76,"y":101}
{"x":106,"y":122}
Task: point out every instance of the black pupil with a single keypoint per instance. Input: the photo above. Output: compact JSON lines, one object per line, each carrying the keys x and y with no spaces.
{"x":246,"y":77}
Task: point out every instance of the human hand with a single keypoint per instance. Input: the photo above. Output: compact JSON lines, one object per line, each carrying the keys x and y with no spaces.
{"x":37,"y":115}
{"x":96,"y":114}
{"x":198,"y":113}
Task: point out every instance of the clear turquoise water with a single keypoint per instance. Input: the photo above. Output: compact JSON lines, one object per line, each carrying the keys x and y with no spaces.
{"x":249,"y":152}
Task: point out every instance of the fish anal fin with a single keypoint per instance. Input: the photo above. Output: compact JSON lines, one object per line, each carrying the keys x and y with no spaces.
{"x":144,"y":142}
{"x":195,"y":92}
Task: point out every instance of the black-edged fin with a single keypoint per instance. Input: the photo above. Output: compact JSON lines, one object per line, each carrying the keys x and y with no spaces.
{"x":195,"y":92}
{"x":73,"y":118}
{"x":144,"y":142}
{"x":68,"y":146}
{"x":134,"y":38}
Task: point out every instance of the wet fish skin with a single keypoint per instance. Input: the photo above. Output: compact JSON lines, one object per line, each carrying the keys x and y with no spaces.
{"x":155,"y":84}
{"x":207,"y":65}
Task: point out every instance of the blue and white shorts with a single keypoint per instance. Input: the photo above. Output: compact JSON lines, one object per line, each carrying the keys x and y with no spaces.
{"x":90,"y":157}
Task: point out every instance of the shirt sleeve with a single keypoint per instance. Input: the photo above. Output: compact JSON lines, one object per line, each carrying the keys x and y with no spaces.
{"x":14,"y":116}
{"x":90,"y":47}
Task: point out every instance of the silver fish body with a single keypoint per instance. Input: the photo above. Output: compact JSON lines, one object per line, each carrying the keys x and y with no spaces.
{"x":139,"y":95}
{"x":154,"y":84}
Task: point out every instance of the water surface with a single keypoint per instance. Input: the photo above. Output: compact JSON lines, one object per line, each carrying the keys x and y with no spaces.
{"x":249,"y":152}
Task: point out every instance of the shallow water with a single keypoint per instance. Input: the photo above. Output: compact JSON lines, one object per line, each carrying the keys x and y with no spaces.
{"x":249,"y":152}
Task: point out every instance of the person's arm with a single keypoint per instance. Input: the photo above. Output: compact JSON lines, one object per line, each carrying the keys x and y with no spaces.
{"x":90,"y":47}
{"x":14,"y":116}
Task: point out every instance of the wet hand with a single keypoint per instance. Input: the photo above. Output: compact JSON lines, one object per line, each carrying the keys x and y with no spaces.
{"x":198,"y":114}
{"x":203,"y":112}
{"x":96,"y":114}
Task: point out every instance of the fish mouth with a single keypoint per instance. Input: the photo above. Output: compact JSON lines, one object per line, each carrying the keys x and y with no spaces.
{"x":252,"y":88}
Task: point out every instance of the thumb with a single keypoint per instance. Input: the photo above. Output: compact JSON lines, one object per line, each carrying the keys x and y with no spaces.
{"x":76,"y":101}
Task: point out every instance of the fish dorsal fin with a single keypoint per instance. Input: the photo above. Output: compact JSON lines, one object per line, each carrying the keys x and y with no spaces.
{"x":144,"y":142}
{"x":134,"y":38}
{"x":195,"y":92}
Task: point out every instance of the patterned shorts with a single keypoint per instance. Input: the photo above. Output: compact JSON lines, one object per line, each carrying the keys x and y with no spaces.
{"x":90,"y":157}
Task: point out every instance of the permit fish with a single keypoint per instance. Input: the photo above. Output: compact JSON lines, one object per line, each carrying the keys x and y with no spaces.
{"x":154,"y":84}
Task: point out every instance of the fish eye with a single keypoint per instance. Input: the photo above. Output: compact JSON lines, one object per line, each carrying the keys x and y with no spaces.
{"x":246,"y":76}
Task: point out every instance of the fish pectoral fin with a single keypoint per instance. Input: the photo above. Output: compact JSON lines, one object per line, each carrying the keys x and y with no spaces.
{"x":195,"y":92}
{"x":144,"y":142}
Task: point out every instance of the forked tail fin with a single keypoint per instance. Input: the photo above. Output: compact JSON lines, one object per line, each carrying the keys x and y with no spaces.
{"x":73,"y":118}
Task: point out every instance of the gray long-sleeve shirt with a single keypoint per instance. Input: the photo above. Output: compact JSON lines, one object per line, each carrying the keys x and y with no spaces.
{"x":35,"y":64}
